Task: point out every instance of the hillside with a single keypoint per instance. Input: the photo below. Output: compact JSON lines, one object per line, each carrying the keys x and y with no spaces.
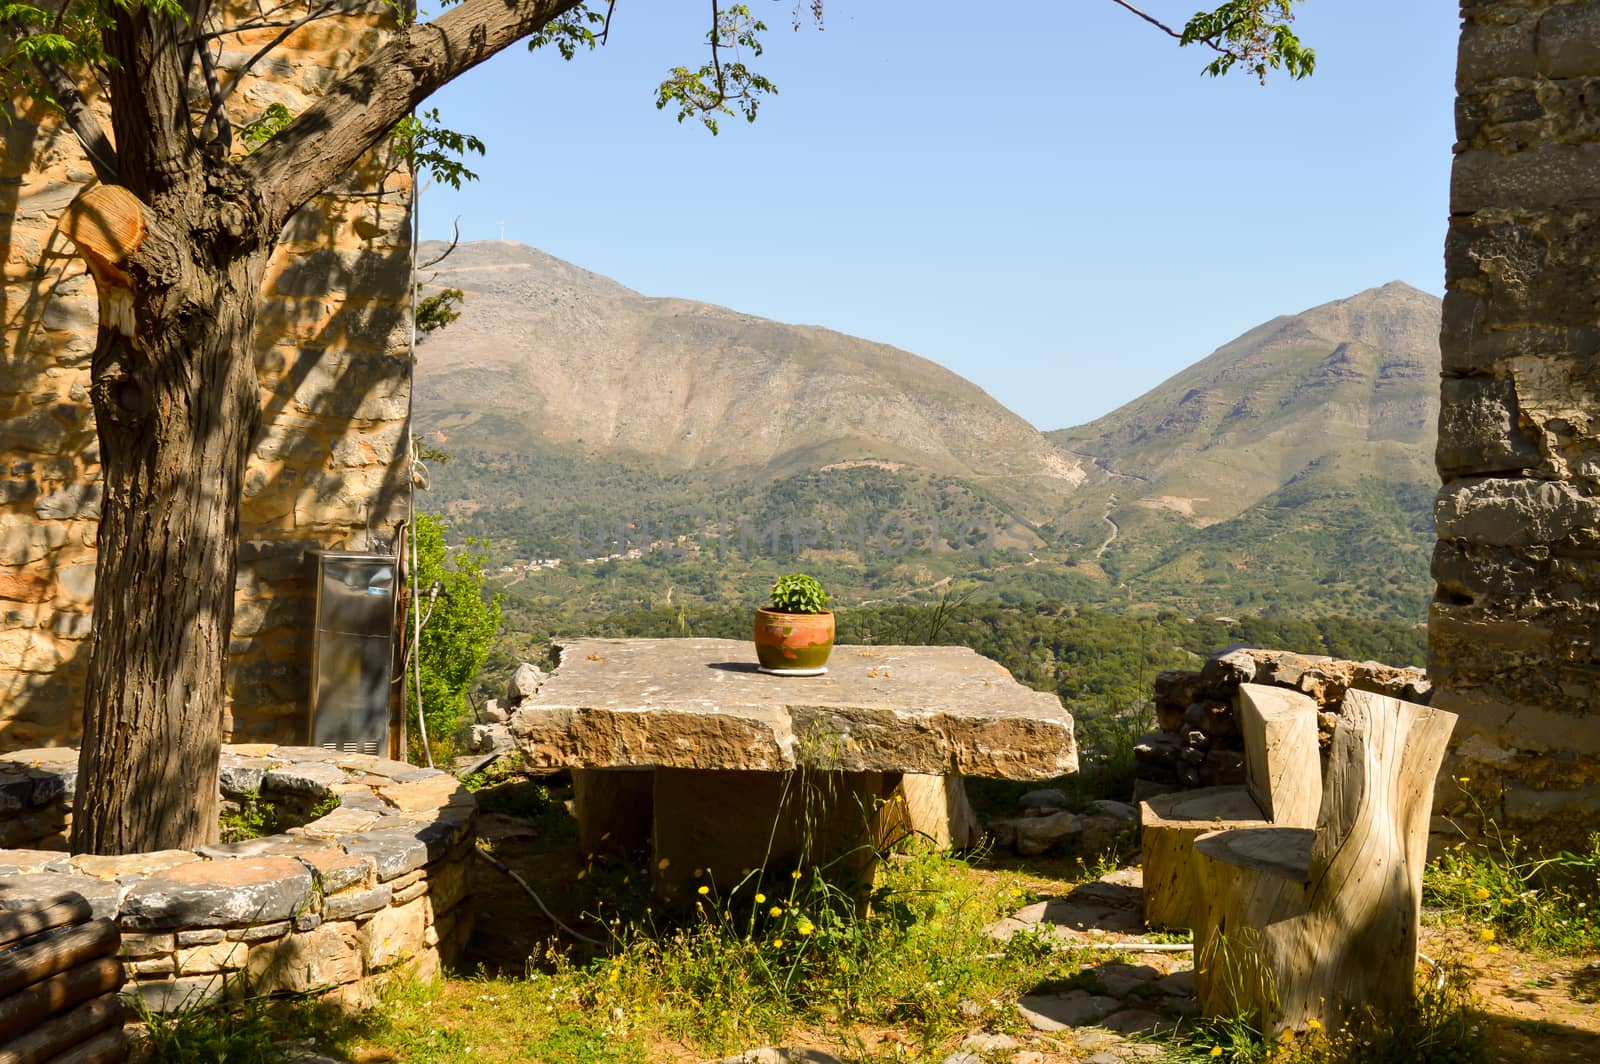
{"x":1290,"y":471}
{"x":1293,"y":463}
{"x":555,"y":377}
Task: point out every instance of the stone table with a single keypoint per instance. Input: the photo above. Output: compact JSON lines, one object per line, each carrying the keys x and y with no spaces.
{"x":724,"y":769}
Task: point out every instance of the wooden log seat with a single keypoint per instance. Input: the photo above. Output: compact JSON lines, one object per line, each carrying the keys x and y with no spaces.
{"x":1317,"y":924}
{"x":1283,"y":787}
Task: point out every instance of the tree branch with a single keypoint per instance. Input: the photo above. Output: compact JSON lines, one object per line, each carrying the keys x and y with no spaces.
{"x":81,"y":120}
{"x":361,"y":109}
{"x":149,"y":101}
{"x":1170,"y":32}
{"x":220,"y":97}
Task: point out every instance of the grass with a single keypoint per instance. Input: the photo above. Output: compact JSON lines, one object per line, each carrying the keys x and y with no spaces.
{"x":792,"y":960}
{"x":1537,"y":903}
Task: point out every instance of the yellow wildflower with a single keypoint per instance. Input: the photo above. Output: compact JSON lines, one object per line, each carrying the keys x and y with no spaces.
{"x":795,"y":874}
{"x":1314,"y":1024}
{"x":1486,"y":935}
{"x":774,"y":912}
{"x":663,"y":863}
{"x":760,"y":898}
{"x":805,"y":927}
{"x":705,"y":889}
{"x":777,"y":943}
{"x":1492,"y":949}
{"x":1482,"y":894}
{"x":1216,"y":1051}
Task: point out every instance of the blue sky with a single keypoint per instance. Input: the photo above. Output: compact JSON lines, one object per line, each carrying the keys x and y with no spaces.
{"x":1047,"y":198}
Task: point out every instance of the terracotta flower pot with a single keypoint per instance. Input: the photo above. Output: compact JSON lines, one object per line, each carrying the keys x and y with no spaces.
{"x":793,"y":643}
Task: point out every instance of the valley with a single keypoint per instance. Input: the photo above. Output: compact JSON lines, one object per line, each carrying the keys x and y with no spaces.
{"x":618,"y":452}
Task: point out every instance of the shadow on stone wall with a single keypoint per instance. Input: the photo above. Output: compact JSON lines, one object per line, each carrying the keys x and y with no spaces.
{"x":328,"y":467}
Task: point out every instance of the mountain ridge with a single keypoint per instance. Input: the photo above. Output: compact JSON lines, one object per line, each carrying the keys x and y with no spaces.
{"x":565,"y":394}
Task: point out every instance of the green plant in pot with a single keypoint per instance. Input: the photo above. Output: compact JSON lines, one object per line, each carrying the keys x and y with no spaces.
{"x":795,"y":634}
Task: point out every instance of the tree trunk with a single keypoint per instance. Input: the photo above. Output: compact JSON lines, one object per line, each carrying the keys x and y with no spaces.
{"x":176,"y":405}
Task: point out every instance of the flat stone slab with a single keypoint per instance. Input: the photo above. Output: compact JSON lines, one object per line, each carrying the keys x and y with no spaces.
{"x":701,"y":704}
{"x":219,"y":893}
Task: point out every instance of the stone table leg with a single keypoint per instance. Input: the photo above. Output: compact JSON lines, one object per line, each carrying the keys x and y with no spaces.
{"x":612,"y":806}
{"x":727,"y":824}
{"x":932,"y":808}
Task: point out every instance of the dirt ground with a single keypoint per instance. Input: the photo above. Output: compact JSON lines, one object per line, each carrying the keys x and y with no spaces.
{"x":1533,"y":1008}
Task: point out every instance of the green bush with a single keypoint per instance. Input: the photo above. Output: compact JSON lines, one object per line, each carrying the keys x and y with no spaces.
{"x":459,"y":624}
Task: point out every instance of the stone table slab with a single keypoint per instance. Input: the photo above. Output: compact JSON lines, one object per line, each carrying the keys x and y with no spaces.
{"x":701,"y":704}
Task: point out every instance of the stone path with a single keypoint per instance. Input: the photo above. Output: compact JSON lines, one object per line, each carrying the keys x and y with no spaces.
{"x":1100,"y":1016}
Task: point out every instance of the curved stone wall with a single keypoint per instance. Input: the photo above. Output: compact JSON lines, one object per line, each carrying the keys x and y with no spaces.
{"x":376,"y":884}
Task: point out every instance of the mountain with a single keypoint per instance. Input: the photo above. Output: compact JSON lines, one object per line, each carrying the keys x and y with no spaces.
{"x":1289,"y":471}
{"x":552,"y":360}
{"x":1294,"y":463}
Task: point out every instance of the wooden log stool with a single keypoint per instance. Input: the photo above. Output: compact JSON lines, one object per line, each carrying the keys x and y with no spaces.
{"x":1283,"y":787}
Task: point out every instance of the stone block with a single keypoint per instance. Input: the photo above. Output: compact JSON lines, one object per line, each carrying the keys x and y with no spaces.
{"x":18,"y":890}
{"x":354,"y":903}
{"x":241,"y":777}
{"x":129,"y":865}
{"x":260,"y":932}
{"x":1544,"y":176}
{"x":313,"y":778}
{"x":177,"y":995}
{"x":305,"y":961}
{"x":1479,"y":432}
{"x":1569,"y":41}
{"x":214,"y":957}
{"x":393,"y":852}
{"x":1506,"y":512}
{"x":138,"y":945}
{"x":220,"y":893}
{"x":24,"y":540}
{"x":72,"y":502}
{"x":394,"y":934}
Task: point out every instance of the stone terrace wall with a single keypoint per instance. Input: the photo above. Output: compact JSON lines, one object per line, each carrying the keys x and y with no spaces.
{"x":376,"y":884}
{"x":1514,"y":630}
{"x":332,"y":349}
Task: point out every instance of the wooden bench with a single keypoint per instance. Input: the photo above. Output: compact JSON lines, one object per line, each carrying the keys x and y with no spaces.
{"x":1283,"y":787}
{"x":59,"y":979}
{"x":1312,"y":924}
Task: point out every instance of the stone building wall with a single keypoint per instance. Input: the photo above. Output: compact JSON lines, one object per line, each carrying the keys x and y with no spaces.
{"x":332,"y":349}
{"x":1514,"y":630}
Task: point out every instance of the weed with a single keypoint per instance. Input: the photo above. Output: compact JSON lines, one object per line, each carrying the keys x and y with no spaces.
{"x":1542,"y":903}
{"x":1439,"y":1027}
{"x":252,"y":817}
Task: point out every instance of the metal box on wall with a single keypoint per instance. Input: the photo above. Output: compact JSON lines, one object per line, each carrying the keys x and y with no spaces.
{"x":352,"y":651}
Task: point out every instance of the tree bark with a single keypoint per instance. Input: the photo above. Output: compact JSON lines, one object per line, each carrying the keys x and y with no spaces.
{"x":178,"y":251}
{"x":176,"y":406}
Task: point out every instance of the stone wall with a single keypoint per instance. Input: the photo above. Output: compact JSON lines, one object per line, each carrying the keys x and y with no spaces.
{"x":1514,"y":630}
{"x":375,"y":885}
{"x":1199,"y":743}
{"x":332,"y":348}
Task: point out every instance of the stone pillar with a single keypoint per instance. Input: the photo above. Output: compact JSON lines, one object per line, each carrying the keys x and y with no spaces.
{"x":1514,"y":630}
{"x":713,"y":828}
